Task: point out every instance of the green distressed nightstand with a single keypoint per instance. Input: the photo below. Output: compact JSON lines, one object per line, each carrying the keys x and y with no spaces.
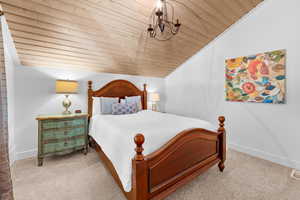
{"x":61,"y":134}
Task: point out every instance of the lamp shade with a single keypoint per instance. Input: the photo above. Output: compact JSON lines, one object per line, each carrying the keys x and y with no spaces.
{"x":66,"y":87}
{"x":154,"y":97}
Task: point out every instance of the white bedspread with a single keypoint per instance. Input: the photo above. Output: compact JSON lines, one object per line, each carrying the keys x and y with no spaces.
{"x":115,"y":134}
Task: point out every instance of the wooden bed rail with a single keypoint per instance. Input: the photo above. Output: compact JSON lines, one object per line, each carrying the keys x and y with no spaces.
{"x":183,"y":158}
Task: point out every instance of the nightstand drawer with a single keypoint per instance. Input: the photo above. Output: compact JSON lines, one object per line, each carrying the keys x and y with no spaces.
{"x":55,"y":124}
{"x":63,"y":145}
{"x":63,"y":133}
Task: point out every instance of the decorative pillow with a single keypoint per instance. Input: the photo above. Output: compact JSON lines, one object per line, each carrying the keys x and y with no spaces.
{"x":96,"y":106}
{"x":106,"y":104}
{"x":122,"y":109}
{"x":135,"y":99}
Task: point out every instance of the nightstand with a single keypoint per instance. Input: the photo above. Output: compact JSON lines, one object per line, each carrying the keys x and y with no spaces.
{"x":61,"y":134}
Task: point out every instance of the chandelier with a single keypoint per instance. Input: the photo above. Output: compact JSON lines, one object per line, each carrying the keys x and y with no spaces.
{"x":162,"y":26}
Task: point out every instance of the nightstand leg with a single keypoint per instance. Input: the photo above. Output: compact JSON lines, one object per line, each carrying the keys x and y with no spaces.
{"x":85,"y":150}
{"x":40,"y":162}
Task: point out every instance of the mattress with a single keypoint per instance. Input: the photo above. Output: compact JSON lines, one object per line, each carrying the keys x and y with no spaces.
{"x":115,"y":134}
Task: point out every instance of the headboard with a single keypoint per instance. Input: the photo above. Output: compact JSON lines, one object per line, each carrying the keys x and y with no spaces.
{"x":116,"y":88}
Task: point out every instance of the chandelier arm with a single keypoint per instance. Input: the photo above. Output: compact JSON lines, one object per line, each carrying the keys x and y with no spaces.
{"x":163,"y":40}
{"x":153,"y":20}
{"x":155,"y":27}
{"x":174,"y":27}
{"x":173,"y":11}
{"x":152,"y":17}
{"x":192,"y":11}
{"x":174,"y":30}
{"x":165,"y":10}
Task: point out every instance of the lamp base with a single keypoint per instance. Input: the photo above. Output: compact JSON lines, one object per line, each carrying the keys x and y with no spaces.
{"x":66,"y":112}
{"x":154,"y":107}
{"x":295,"y":174}
{"x":66,"y":103}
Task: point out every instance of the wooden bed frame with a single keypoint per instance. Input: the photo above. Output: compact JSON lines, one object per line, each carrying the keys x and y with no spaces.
{"x":183,"y":158}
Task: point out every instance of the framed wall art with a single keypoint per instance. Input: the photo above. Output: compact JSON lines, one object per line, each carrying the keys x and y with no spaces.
{"x":257,"y":78}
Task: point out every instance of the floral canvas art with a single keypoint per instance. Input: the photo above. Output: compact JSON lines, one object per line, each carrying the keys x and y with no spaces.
{"x":258,"y":78}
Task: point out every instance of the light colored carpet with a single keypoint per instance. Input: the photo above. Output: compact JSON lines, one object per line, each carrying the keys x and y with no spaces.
{"x":79,"y":177}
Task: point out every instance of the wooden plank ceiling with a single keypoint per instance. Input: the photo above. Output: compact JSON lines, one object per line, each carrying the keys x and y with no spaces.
{"x":110,"y":35}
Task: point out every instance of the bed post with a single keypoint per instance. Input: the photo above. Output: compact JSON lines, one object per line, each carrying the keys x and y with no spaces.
{"x":145,"y":97}
{"x":222,"y":136}
{"x":90,"y":111}
{"x":139,"y":170}
{"x":90,"y":99}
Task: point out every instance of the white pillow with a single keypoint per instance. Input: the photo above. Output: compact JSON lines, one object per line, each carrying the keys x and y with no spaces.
{"x":106,"y":104}
{"x":122,"y":101}
{"x":96,"y":106}
{"x":135,"y":99}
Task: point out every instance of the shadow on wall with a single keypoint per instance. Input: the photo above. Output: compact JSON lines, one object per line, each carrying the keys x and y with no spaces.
{"x":269,"y":130}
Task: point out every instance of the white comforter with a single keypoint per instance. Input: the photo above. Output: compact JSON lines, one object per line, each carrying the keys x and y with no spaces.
{"x":115,"y":134}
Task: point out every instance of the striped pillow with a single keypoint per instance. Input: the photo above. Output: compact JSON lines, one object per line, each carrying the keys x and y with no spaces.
{"x":124,"y":108}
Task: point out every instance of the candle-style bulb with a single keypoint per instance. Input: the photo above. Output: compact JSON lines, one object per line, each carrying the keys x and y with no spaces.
{"x":159,"y":4}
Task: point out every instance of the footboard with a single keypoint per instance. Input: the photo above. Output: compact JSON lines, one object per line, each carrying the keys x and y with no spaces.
{"x":183,"y":158}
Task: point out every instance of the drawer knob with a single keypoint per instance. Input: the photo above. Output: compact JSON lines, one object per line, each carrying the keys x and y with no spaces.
{"x":65,"y":143}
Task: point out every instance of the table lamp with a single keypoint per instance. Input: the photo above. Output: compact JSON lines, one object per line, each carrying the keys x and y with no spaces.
{"x":66,"y":87}
{"x":295,"y":174}
{"x":154,"y":98}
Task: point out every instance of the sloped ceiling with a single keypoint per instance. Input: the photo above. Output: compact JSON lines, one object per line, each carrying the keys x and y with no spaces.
{"x":110,"y":35}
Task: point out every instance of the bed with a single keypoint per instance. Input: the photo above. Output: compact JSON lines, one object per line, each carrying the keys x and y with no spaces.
{"x":177,"y":149}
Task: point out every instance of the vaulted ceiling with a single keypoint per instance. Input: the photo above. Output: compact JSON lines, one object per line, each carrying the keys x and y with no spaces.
{"x":110,"y":35}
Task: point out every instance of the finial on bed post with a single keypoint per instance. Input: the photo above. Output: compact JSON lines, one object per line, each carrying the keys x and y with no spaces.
{"x":221,"y":124}
{"x":222,"y":148}
{"x":139,"y":140}
{"x":90,"y":84}
{"x":90,"y":99}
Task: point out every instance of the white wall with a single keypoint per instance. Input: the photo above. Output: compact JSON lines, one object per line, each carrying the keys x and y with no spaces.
{"x":9,"y":65}
{"x":197,"y":87}
{"x":11,"y":61}
{"x":35,"y":94}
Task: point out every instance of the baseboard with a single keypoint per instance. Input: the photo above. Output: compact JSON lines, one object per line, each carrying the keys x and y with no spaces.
{"x":266,"y":156}
{"x":25,"y":154}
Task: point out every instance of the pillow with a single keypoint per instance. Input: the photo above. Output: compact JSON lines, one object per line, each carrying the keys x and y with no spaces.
{"x":135,"y":99}
{"x":106,"y":104}
{"x":123,"y":109}
{"x":122,"y":101}
{"x":96,"y":106}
